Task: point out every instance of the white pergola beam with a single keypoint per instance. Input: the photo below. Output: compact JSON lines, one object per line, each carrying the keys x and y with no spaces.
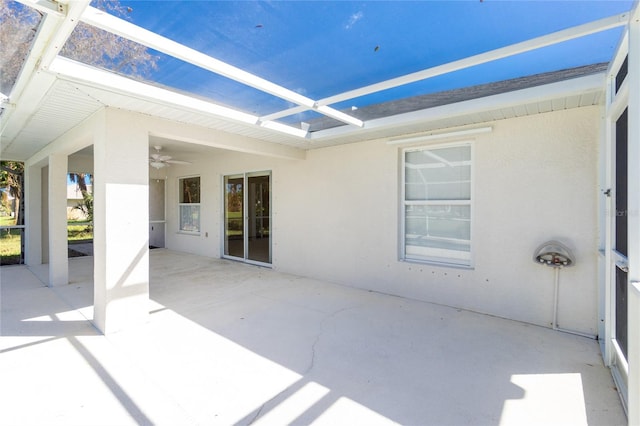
{"x":283,"y":128}
{"x":61,"y":19}
{"x":48,"y":7}
{"x":69,"y":23}
{"x":492,"y":55}
{"x":31,"y":86}
{"x":107,"y":22}
{"x":591,"y":83}
{"x":122,"y":28}
{"x":70,"y":70}
{"x":284,"y":113}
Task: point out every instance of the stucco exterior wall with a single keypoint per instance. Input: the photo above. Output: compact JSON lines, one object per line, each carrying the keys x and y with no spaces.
{"x":336,"y":217}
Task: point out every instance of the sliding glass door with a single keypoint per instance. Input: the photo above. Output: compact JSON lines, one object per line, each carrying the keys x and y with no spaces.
{"x":247,"y":217}
{"x":234,"y":216}
{"x":259,"y":218}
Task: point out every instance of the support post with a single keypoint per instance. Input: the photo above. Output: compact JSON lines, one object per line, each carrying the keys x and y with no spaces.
{"x":633,"y":351}
{"x":33,"y":215}
{"x":58,"y":245}
{"x":121,"y":218}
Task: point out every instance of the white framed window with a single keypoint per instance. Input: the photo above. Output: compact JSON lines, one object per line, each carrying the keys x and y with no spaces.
{"x":189,"y":203}
{"x":437,"y":203}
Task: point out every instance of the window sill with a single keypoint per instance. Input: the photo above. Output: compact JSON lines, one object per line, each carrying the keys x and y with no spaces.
{"x":440,"y":264}
{"x":193,"y":234}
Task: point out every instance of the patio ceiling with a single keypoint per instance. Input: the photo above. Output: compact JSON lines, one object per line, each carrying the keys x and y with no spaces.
{"x":309,"y":74}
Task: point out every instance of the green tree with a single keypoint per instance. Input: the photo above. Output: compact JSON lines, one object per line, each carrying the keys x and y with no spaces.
{"x":86,"y":206}
{"x":11,"y":177}
{"x":80,"y":179}
{"x":5,"y":205}
{"x":87,"y":44}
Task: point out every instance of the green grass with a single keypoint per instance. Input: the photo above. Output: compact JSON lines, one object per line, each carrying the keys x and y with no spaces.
{"x":7,"y":221}
{"x":10,"y":239}
{"x":9,"y":242}
{"x":79,"y":231}
{"x":10,"y":246}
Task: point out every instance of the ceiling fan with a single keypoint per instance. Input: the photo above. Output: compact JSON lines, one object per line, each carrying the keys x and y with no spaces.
{"x":158,"y":161}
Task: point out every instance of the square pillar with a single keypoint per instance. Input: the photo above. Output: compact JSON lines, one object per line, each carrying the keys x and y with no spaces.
{"x":58,"y":245}
{"x":121,"y":220}
{"x":633,"y":350}
{"x":33,"y":215}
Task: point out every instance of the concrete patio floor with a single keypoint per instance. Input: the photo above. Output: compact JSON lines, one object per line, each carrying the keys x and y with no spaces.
{"x":228,"y":343}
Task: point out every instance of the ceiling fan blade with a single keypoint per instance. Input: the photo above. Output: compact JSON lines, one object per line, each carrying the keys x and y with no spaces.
{"x":178,"y":162}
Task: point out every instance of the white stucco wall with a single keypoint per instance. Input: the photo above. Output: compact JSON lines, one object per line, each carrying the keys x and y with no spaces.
{"x":336,"y":217}
{"x":80,"y":163}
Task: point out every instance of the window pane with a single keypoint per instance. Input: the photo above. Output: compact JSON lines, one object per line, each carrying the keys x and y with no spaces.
{"x":622,"y":204}
{"x":621,"y":310}
{"x":190,"y":190}
{"x":190,"y":218}
{"x":622,"y":73}
{"x":438,"y":174}
{"x":442,"y":231}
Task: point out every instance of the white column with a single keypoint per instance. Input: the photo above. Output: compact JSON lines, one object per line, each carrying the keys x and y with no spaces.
{"x":633,"y":324}
{"x":633,"y":351}
{"x":121,"y":219}
{"x":58,"y":257}
{"x":33,"y":215}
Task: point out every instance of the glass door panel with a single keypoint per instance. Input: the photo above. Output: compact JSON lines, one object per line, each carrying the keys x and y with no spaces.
{"x":259,"y":218}
{"x":156,"y":213}
{"x":247,"y":217}
{"x":234,"y":216}
{"x":621,"y":310}
{"x":620,"y":241}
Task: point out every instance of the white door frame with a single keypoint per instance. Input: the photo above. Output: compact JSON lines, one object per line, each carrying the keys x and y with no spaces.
{"x":626,"y":372}
{"x":245,"y":216}
{"x":633,"y":346}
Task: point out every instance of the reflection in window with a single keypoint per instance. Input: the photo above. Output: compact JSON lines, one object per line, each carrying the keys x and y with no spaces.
{"x":437,"y":204}
{"x":190,"y":204}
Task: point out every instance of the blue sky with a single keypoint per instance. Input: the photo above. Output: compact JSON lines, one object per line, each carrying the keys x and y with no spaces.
{"x":87,"y":180}
{"x":321,"y":48}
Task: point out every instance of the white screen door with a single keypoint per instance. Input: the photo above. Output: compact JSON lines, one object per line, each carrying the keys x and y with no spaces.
{"x":621,"y":189}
